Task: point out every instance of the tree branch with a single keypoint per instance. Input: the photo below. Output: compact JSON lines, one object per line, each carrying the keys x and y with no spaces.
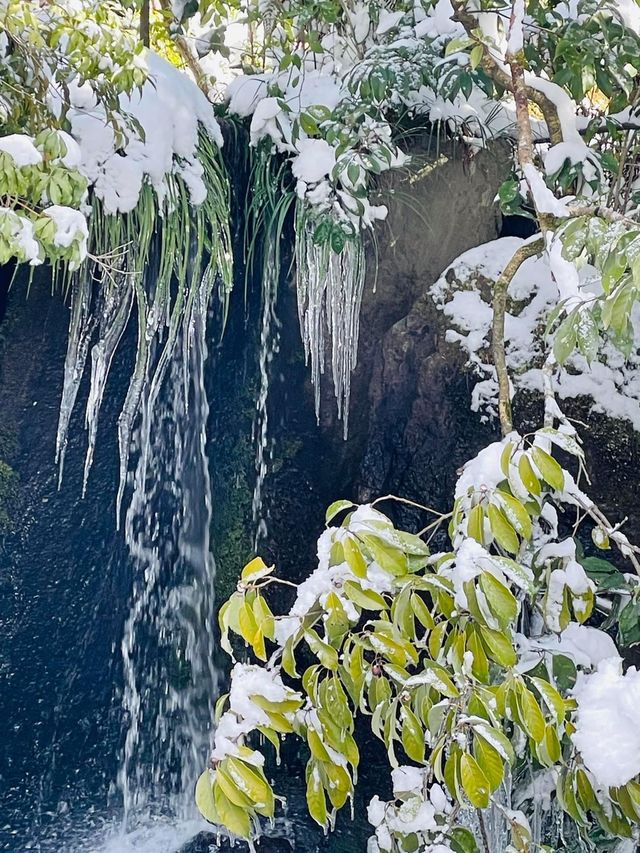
{"x":502,"y":78}
{"x":527,"y":250}
{"x":145,"y":23}
{"x":187,"y":54}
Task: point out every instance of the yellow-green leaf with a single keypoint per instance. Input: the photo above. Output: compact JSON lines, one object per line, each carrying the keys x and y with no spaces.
{"x":475,"y":524}
{"x":316,"y":801}
{"x":529,"y":479}
{"x":368,"y":599}
{"x":235,"y":818}
{"x":204,"y":797}
{"x":490,"y":761}
{"x":255,"y":570}
{"x":412,"y":736}
{"x":475,"y":783}
{"x":353,"y":556}
{"x":548,"y":467}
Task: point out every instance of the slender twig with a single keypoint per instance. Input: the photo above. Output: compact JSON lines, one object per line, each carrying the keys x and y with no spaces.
{"x":483,"y":831}
{"x":527,"y":250}
{"x":145,"y":23}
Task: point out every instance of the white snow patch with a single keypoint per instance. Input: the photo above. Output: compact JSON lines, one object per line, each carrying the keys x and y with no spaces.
{"x":608,"y":722}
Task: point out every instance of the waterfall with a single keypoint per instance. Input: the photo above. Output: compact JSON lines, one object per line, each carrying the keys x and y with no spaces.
{"x":269,"y":345}
{"x":168,"y":649}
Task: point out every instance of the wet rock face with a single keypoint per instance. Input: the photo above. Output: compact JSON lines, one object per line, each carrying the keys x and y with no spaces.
{"x":410,"y":426}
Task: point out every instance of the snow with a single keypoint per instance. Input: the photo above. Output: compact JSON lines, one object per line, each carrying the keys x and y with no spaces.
{"x":314,"y":161}
{"x":543,"y":198}
{"x":585,"y":645}
{"x":73,"y":157}
{"x":22,"y":233}
{"x":612,"y":382}
{"x":21,"y":149}
{"x":388,"y":20}
{"x":169,"y":100}
{"x":472,"y":560}
{"x":245,"y":92}
{"x":328,"y":579}
{"x":70,"y":225}
{"x":608,"y":722}
{"x":629,"y":12}
{"x":515,"y":41}
{"x":244,"y":715}
{"x":483,"y":471}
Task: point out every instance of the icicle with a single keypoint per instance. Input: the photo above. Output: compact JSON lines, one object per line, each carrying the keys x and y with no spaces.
{"x":330,"y":288}
{"x":115,"y":316}
{"x":81,"y":327}
{"x":149,"y":320}
{"x":105,"y":291}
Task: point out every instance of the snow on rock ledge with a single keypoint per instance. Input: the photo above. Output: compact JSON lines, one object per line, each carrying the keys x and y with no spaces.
{"x":170,"y":109}
{"x":463,"y":294}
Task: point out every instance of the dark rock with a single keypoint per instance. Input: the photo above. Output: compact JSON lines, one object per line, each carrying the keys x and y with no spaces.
{"x":208,"y":842}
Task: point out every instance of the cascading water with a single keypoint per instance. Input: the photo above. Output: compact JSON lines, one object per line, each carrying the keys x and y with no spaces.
{"x":269,"y":344}
{"x":168,"y":649}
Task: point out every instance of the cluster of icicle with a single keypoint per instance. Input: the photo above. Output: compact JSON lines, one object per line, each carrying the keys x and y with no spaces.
{"x":100,"y":311}
{"x":330,"y":288}
{"x":157,"y":266}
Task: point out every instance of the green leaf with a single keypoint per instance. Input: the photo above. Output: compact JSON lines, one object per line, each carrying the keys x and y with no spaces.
{"x":629,"y":624}
{"x":475,"y":783}
{"x":325,"y":653}
{"x":475,"y":524}
{"x":532,"y":717}
{"x":475,"y":57}
{"x":232,"y":791}
{"x":499,"y":646}
{"x":393,"y":650}
{"x":564,"y":672}
{"x":529,"y":479}
{"x":552,"y":699}
{"x":413,"y":740}
{"x":422,"y":612}
{"x":354,"y":558}
{"x":251,"y":781}
{"x":502,"y":531}
{"x":565,"y":339}
{"x":463,"y":841}
{"x":367,"y":599}
{"x":515,"y":513}
{"x":247,"y":623}
{"x":588,"y":338}
{"x":604,"y":573}
{"x":391,"y":559}
{"x":501,"y":600}
{"x":337,"y":623}
{"x":309,"y":124}
{"x":497,"y":740}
